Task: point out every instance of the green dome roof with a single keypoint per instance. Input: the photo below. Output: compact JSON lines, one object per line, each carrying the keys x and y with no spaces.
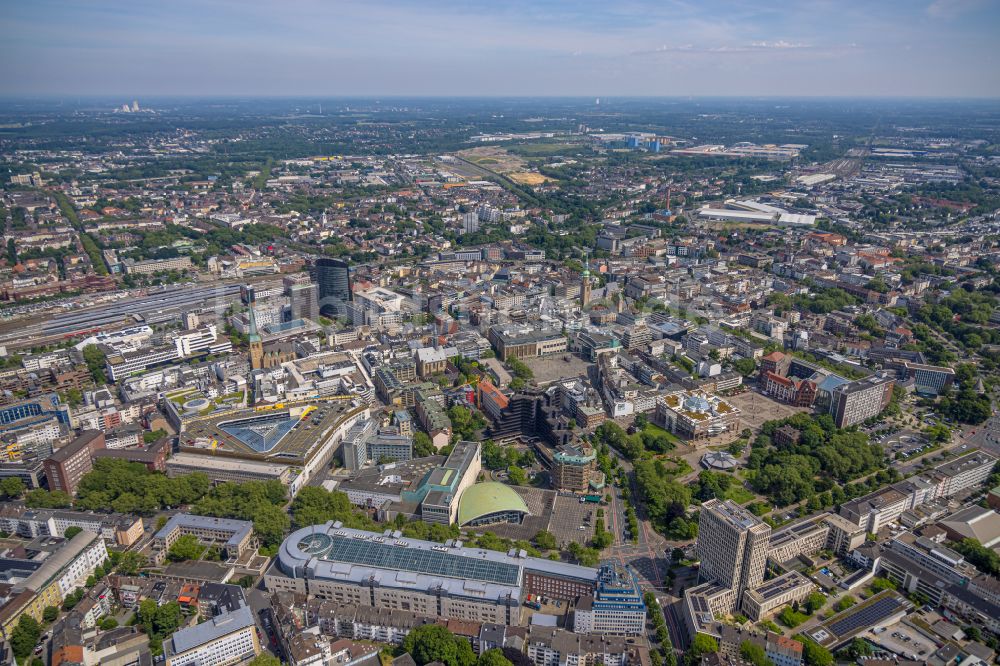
{"x":489,"y":497}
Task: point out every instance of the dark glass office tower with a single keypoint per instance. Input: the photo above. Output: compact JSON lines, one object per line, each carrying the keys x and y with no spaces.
{"x":334,"y":279}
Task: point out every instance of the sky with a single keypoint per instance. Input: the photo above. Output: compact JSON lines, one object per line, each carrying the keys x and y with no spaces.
{"x":882,"y":48}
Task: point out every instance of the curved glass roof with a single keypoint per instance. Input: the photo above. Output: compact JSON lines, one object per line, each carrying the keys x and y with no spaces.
{"x":483,"y":499}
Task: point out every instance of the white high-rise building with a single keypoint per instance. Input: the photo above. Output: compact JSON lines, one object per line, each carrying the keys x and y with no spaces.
{"x":470,"y":222}
{"x":732,"y":546}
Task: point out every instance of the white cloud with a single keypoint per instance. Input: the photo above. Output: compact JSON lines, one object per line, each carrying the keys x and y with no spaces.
{"x":780,"y":44}
{"x":949,"y":9}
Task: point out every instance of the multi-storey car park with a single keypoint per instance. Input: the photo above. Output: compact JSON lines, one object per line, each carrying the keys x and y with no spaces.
{"x":281,"y":432}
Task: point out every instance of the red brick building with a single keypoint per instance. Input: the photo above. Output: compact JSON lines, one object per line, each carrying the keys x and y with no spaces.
{"x":67,"y":465}
{"x":798,"y":392}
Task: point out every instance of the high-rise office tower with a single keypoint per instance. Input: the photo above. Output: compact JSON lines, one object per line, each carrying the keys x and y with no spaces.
{"x":857,"y":401}
{"x":334,"y":279}
{"x":732,"y":546}
{"x":303,"y":297}
{"x":470,"y":222}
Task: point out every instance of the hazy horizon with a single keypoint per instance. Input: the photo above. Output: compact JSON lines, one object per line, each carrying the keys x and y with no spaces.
{"x":936,"y":49}
{"x":602,"y":99}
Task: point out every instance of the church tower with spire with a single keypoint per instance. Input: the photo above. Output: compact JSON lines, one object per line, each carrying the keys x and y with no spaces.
{"x":585,"y":284}
{"x":256,"y":344}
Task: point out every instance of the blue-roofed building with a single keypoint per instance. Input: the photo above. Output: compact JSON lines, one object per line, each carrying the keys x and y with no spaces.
{"x":616,"y":606}
{"x":27,"y":413}
{"x":825,"y":389}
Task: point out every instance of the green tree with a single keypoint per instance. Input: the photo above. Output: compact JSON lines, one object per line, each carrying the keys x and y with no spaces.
{"x":745,"y":366}
{"x":814,"y":602}
{"x":755,"y":654}
{"x":146,"y":612}
{"x":186,"y":547}
{"x":130,"y":487}
{"x":159,"y":621}
{"x":493,"y":455}
{"x":270,"y":522}
{"x":602,"y":538}
{"x":96,"y":361}
{"x":844,"y":603}
{"x":814,"y":654}
{"x":879,"y":584}
{"x":108,"y":623}
{"x":72,"y":396}
{"x":520,"y":369}
{"x":265,"y":659}
{"x":938,"y":433}
{"x":700,"y":646}
{"x":130,"y":563}
{"x":25,"y":636}
{"x":518,"y":476}
{"x":314,"y":505}
{"x":433,"y":642}
{"x":466,"y":423}
{"x":493,"y":657}
{"x":790,"y":617}
{"x":857,"y":648}
{"x":422,"y":445}
{"x":72,"y":599}
{"x":545,"y":540}
{"x":72,"y":531}
{"x":587,"y":557}
{"x":40,"y":498}
{"x":11,"y":487}
{"x":50,"y":613}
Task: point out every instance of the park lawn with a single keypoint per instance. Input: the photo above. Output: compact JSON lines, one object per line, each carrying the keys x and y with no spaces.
{"x":791,"y":618}
{"x":739,"y":494}
{"x":654,"y":429}
{"x":673,"y":465}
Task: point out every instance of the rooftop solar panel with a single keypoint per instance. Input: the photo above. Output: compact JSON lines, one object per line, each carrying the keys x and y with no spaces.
{"x":869,"y":616}
{"x":388,"y":556}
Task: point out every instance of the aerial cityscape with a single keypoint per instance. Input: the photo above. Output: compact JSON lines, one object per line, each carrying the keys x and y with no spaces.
{"x":584,"y":372}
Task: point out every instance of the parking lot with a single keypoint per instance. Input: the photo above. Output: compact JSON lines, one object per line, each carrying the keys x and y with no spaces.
{"x":903,"y":640}
{"x":904,"y":444}
{"x":562,"y":516}
{"x":548,"y":369}
{"x":568,"y":515}
{"x":556,"y":608}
